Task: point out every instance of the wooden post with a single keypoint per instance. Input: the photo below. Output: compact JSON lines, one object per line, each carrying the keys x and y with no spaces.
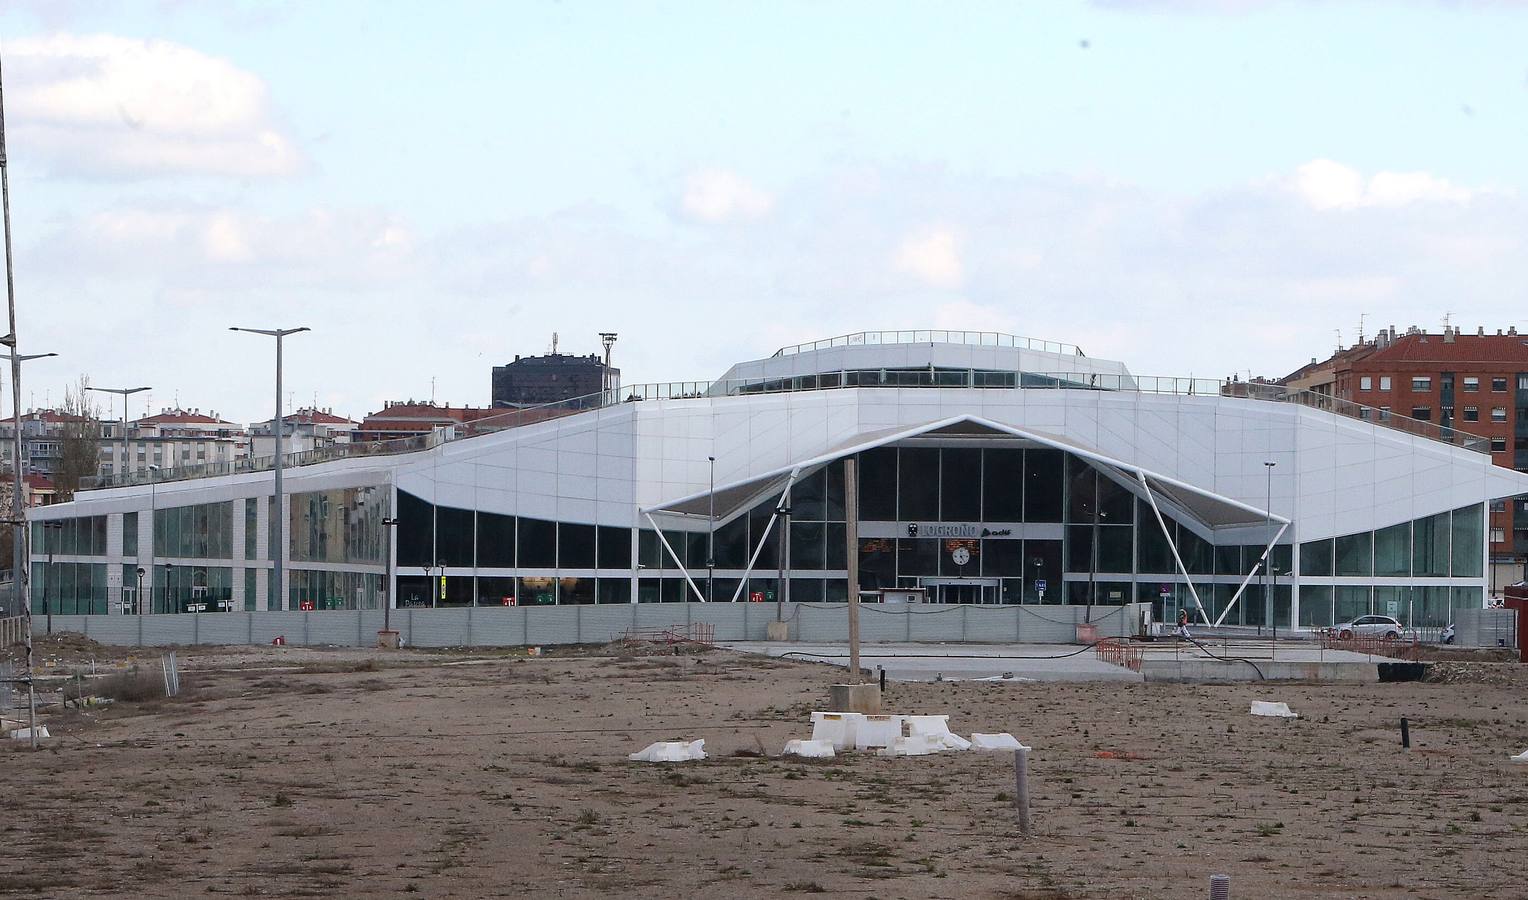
{"x":1021,"y":787}
{"x":851,"y":530}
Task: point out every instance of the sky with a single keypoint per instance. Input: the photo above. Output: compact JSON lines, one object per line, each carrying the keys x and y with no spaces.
{"x":1195,"y":187}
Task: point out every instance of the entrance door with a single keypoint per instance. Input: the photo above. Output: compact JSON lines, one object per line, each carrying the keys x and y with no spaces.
{"x":964,"y":592}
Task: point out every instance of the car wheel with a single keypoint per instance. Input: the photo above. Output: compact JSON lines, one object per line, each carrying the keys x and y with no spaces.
{"x":1346,"y":634}
{"x":1392,"y":636}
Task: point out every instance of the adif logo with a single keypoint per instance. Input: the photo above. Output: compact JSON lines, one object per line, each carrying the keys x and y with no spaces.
{"x":912,"y":530}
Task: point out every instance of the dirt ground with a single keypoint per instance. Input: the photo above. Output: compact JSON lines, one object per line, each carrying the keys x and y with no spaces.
{"x":287,"y":772}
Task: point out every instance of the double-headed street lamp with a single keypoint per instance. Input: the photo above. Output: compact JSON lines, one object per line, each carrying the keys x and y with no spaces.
{"x":278,"y":551}
{"x":125,"y":392}
{"x":18,"y":512}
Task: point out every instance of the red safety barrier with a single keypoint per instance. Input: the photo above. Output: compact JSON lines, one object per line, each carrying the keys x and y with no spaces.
{"x":1372,"y":645}
{"x":1119,"y":652}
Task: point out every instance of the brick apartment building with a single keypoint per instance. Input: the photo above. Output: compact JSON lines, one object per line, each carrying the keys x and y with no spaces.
{"x":1475,"y":383}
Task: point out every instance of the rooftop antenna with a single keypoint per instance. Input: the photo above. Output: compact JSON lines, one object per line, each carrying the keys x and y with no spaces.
{"x":1447,"y":315}
{"x":432,"y":390}
{"x":1339,"y":339}
{"x":1361,"y":317}
{"x":554,"y":343}
{"x":607,"y":338}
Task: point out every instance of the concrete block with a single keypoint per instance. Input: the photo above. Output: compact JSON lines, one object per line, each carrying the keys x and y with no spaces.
{"x":387,"y":640}
{"x":778,"y":631}
{"x":860,"y":698}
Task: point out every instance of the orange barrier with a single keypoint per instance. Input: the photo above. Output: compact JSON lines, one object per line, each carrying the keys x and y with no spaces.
{"x":1118,"y":652}
{"x":1371,"y":645}
{"x":694,"y":633}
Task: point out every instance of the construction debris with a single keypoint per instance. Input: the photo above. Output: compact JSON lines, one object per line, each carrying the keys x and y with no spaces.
{"x":1269,"y":708}
{"x":671,"y":751}
{"x":809,"y":749}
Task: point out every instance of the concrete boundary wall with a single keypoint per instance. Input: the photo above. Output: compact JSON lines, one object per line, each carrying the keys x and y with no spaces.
{"x":496,"y":626}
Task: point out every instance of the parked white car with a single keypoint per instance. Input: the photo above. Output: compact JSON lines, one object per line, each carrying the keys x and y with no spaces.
{"x":1371,"y":626}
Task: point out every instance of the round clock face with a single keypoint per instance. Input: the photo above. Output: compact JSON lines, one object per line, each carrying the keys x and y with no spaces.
{"x":961,"y":556}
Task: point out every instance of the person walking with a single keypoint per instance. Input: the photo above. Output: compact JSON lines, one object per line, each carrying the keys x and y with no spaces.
{"x":1182,"y":631}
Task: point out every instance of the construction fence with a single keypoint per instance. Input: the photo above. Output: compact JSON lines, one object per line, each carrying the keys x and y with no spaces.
{"x":496,"y":626}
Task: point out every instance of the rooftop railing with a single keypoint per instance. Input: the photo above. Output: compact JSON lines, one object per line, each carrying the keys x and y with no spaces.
{"x":845,"y":378}
{"x":935,"y":336}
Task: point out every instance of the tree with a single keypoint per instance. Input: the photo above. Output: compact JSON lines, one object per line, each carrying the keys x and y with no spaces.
{"x":79,"y":440}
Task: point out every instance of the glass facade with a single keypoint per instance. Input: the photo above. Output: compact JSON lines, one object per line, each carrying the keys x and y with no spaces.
{"x":204,"y":531}
{"x":338,"y":526}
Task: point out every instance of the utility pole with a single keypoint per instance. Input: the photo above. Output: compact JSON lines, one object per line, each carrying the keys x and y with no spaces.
{"x":851,"y":529}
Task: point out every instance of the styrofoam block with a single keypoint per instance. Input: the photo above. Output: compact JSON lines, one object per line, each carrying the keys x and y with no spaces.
{"x":670,"y":751}
{"x":1001,"y":741}
{"x":1267,"y":708}
{"x":917,"y":745}
{"x":25,"y":734}
{"x":936,"y":726}
{"x":837,"y":728}
{"x":876,"y":731}
{"x":809,"y":749}
{"x":1521,"y":757}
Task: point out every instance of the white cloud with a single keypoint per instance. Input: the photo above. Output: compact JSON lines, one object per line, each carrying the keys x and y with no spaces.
{"x":718,"y":195}
{"x":103,"y":105}
{"x":932,"y":255}
{"x":1325,"y":184}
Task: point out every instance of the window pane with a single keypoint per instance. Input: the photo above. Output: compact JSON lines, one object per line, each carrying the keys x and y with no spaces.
{"x":1352,"y":602}
{"x":1429,"y":545}
{"x":878,"y":485}
{"x":918,"y":484}
{"x":454,"y":537}
{"x":1316,"y":606}
{"x":807,"y":545}
{"x":1114,"y":548}
{"x":1392,"y":550}
{"x":1469,"y":542}
{"x":808,"y":496}
{"x":495,"y":541}
{"x":1003,"y":485}
{"x":577,"y":591}
{"x":1316,"y":558}
{"x":1355,"y":554}
{"x":130,"y":535}
{"x":416,"y":531}
{"x":1042,"y":485}
{"x":575,"y":548}
{"x":615,"y":545}
{"x":917,"y":556}
{"x":960,"y":485}
{"x":537,"y":542}
{"x":877,"y":563}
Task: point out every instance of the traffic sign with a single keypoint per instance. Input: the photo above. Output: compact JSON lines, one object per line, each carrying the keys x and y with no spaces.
{"x":1040,"y":585}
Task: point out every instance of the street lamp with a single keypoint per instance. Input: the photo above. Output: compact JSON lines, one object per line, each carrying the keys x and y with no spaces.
{"x":125,"y":392}
{"x":50,"y":537}
{"x":18,"y":474}
{"x":1268,"y":558}
{"x":387,"y":579}
{"x":711,"y":538}
{"x":278,"y":551}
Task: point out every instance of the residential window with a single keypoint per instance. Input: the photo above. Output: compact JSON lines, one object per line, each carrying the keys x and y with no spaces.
{"x":1363,"y":412}
{"x":1365,"y":383}
{"x":1384,"y":382}
{"x":1498,"y":506}
{"x":1522,"y":382}
{"x":1423,"y":413}
{"x":1499,"y":385}
{"x":1421,"y":383}
{"x":1471,"y":383}
{"x":1498,"y":414}
{"x":1498,"y":535}
{"x":1384,"y":413}
{"x":1472,"y":414}
{"x":1499,"y":445}
{"x":1445,"y":413}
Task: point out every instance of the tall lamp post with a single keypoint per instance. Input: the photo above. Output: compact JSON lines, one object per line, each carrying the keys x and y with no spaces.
{"x":50,"y":536}
{"x":388,"y":522}
{"x":125,"y":392}
{"x":1268,"y":559}
{"x":278,"y":551}
{"x":18,"y":472}
{"x":711,"y":538}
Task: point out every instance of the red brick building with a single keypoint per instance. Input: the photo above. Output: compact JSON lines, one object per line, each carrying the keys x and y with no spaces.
{"x":1475,"y":383}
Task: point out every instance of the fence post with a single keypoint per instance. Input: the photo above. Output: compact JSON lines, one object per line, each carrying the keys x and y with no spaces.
{"x":965,"y":614}
{"x":196,"y":628}
{"x":469,"y":625}
{"x":907,"y":620}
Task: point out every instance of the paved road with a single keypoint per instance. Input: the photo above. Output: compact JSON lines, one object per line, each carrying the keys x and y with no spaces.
{"x":957,"y":662}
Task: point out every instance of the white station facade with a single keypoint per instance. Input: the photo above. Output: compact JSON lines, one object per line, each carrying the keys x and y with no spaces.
{"x":991,"y":468}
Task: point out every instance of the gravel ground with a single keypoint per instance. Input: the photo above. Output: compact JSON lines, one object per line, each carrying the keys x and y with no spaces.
{"x":287,"y":772}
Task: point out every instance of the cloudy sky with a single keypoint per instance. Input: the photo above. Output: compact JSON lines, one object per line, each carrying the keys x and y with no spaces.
{"x":1192,"y":186}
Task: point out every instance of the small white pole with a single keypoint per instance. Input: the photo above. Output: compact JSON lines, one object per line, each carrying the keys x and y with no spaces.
{"x":1021,"y":787}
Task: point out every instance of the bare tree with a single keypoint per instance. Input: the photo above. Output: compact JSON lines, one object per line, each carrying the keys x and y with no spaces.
{"x":79,"y":443}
